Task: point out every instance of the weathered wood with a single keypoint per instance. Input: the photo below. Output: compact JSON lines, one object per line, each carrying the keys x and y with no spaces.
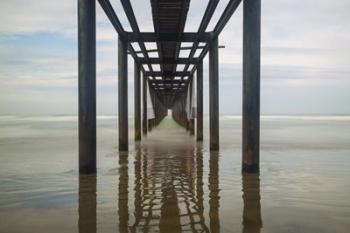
{"x":200,"y":101}
{"x":144,"y":104}
{"x":214,"y":94}
{"x":123,"y":95}
{"x":251,"y":85}
{"x":137,"y":100}
{"x":87,"y":85}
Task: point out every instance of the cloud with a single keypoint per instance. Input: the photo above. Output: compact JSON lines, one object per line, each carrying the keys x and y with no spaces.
{"x":21,"y":16}
{"x":305,"y":48}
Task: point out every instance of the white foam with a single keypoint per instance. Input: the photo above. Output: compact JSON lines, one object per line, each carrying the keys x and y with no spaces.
{"x":294,"y":117}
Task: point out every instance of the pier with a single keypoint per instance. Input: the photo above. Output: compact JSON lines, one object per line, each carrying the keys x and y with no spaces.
{"x":169,"y":88}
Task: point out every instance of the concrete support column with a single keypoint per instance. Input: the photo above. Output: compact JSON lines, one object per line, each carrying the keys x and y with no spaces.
{"x":144,"y":105}
{"x":191,"y":120}
{"x":214,"y":94}
{"x":87,"y":85}
{"x":137,"y":94}
{"x":251,"y":85}
{"x":150,"y":121}
{"x":123,"y":95}
{"x":200,"y":101}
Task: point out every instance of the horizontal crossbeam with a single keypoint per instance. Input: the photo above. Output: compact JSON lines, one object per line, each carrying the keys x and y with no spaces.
{"x":168,"y":61}
{"x":166,"y":82}
{"x":168,"y":37}
{"x":166,"y":74}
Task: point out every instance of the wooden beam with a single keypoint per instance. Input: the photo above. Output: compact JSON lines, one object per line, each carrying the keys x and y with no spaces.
{"x":87,"y":85}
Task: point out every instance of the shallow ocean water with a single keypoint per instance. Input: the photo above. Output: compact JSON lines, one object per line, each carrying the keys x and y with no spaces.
{"x":170,"y":183}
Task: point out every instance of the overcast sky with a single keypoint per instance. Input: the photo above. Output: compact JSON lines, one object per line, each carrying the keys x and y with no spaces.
{"x":305,"y":56}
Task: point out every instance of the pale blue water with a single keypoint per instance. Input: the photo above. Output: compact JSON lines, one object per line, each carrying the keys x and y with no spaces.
{"x":169,"y":183}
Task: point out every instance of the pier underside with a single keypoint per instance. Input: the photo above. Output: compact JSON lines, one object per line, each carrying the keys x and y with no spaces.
{"x":168,"y":81}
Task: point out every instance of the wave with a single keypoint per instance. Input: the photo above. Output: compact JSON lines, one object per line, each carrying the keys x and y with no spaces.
{"x":50,"y":118}
{"x":39,"y":118}
{"x":294,"y":117}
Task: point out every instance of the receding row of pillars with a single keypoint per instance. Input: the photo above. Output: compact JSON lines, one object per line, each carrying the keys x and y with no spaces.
{"x":158,"y":108}
{"x":87,"y":91}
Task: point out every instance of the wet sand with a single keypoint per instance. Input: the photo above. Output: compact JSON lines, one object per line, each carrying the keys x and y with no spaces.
{"x":170,"y":183}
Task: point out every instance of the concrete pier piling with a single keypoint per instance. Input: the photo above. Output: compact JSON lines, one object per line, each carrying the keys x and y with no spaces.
{"x":137,"y":101}
{"x":214,"y":94}
{"x":87,"y":85}
{"x":199,"y":126}
{"x":123,"y":95}
{"x":144,"y":105}
{"x":251,"y":85}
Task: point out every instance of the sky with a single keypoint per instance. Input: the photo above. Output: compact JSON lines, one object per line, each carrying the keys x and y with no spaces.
{"x":305,"y":56}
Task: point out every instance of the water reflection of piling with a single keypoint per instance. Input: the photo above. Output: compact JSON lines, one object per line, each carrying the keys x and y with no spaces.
{"x":169,"y":221}
{"x":199,"y":180}
{"x":214,"y":198}
{"x":252,"y":222}
{"x":168,"y":198}
{"x":199,"y":186}
{"x":123,"y":209}
{"x":87,"y":204}
{"x":137,"y":187}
